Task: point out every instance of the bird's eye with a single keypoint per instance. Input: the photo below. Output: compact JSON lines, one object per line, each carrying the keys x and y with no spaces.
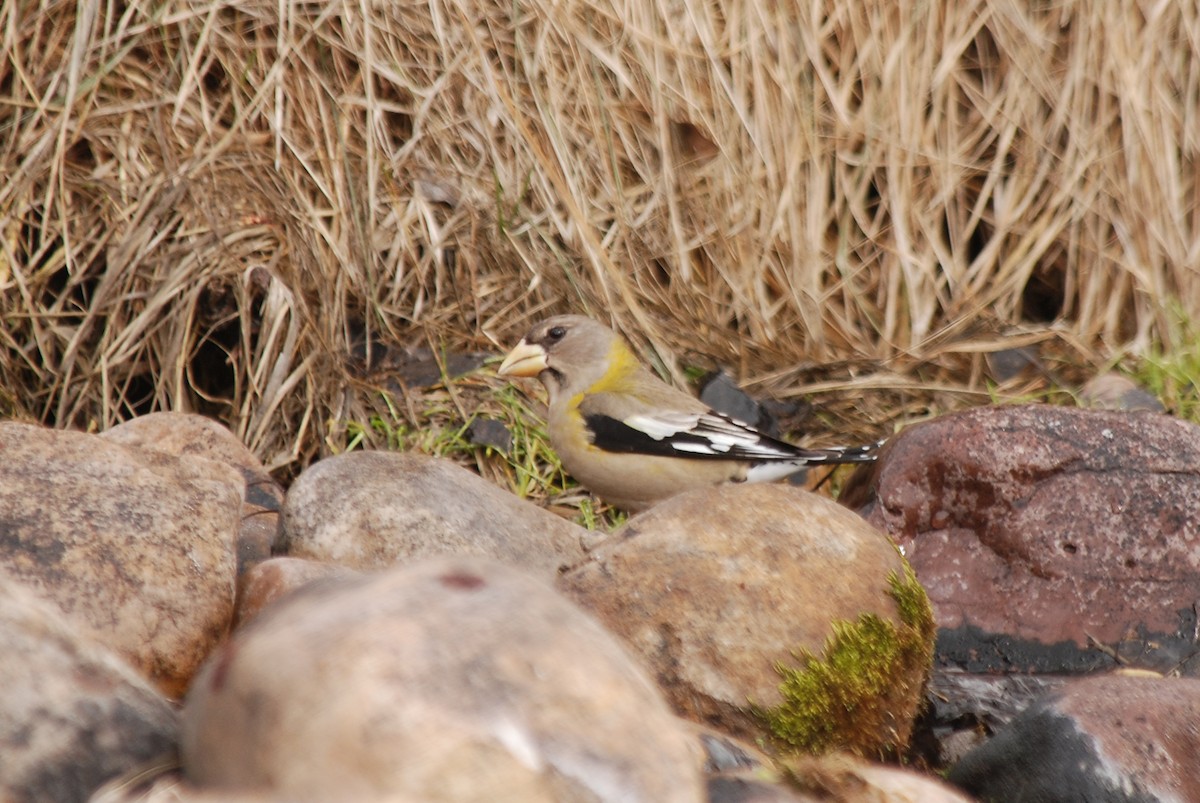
{"x":556,"y":333}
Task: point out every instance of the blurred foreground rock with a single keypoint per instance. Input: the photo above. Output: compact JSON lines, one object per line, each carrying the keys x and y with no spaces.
{"x":136,"y":547}
{"x":452,"y":679}
{"x":718,"y":589}
{"x":72,"y":715}
{"x":373,"y":510}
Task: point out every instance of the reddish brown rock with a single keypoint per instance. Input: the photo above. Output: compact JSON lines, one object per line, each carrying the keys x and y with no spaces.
{"x":274,"y":579}
{"x":452,"y":679}
{"x":134,"y":546}
{"x":1111,"y":737}
{"x":1050,"y":539}
{"x":186,"y":434}
{"x":373,"y":510}
{"x":718,"y":589}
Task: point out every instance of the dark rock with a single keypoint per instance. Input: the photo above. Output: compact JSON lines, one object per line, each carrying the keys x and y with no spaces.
{"x":739,"y":773}
{"x":725,"y":754}
{"x":721,"y":393}
{"x":410,"y":366}
{"x":734,"y":789}
{"x":420,"y":369}
{"x":963,"y":709}
{"x":1007,"y":364}
{"x":1107,"y":738}
{"x":491,"y":433}
{"x":718,"y":391}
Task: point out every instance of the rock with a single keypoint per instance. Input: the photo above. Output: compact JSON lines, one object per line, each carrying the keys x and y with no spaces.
{"x":1109,"y":737}
{"x":721,"y":393}
{"x":1007,"y":364}
{"x":844,"y":778}
{"x":186,"y":434}
{"x":72,"y":715}
{"x":723,"y":754}
{"x":840,"y":778}
{"x":832,"y":778}
{"x":738,"y":772}
{"x":739,"y":596}
{"x":490,"y":433}
{"x":718,"y":390}
{"x":420,"y":367}
{"x":171,"y":787}
{"x":372,"y":510}
{"x":1052,"y":542}
{"x":274,"y":579}
{"x":451,"y":679}
{"x":189,"y":434}
{"x":1115,"y":392}
{"x":1050,"y":539}
{"x":134,"y":546}
{"x":963,"y":709}
{"x":736,"y":789}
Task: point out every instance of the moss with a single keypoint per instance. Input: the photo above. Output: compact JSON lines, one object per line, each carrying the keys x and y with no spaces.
{"x":862,"y":693}
{"x":914,"y":608}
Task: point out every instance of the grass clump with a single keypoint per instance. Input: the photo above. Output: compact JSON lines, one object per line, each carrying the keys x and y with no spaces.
{"x":437,"y":421}
{"x":864,"y":690}
{"x":1172,"y":374}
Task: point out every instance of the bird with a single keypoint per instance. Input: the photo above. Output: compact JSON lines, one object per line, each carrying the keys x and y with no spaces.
{"x":632,"y":439}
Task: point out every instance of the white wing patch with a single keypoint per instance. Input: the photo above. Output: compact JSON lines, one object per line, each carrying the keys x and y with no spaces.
{"x":662,"y":425}
{"x":709,"y":434}
{"x":693,"y":447}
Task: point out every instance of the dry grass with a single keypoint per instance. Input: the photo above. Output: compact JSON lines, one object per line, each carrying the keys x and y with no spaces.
{"x":214,"y":206}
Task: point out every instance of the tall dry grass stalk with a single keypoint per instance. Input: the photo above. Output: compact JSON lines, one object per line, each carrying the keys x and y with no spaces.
{"x":207,"y":205}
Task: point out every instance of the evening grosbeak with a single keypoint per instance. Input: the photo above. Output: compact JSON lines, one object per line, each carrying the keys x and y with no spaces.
{"x":631,"y":438}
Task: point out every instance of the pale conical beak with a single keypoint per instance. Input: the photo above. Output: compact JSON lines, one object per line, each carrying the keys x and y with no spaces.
{"x":525,"y":360}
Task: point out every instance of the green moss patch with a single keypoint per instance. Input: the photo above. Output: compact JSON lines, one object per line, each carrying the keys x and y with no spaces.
{"x":863,"y":692}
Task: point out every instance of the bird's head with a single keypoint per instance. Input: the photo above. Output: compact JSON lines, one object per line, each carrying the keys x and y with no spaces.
{"x":566,"y":351}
